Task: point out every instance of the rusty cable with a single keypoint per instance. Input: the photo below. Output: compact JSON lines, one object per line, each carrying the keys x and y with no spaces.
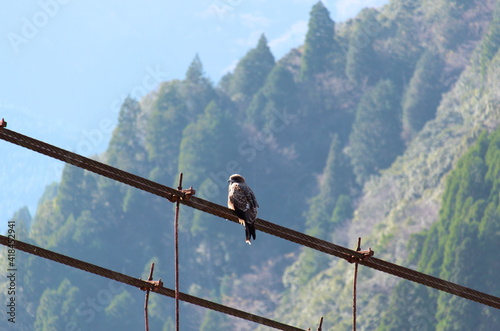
{"x":141,"y":284}
{"x":262,"y":225}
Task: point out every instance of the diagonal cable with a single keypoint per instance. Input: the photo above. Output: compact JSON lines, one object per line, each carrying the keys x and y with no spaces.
{"x":262,"y":225}
{"x":139,"y":283}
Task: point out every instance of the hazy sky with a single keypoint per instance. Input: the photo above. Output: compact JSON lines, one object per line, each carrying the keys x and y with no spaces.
{"x":67,"y":65}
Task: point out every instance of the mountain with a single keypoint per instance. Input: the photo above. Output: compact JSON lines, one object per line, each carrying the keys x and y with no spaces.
{"x":380,"y":128}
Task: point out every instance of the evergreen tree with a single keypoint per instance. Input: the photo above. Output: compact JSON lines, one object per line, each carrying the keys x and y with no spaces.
{"x":334,"y":187}
{"x":196,"y":89}
{"x":22,"y":220}
{"x":251,"y":71}
{"x":468,"y":227}
{"x":206,"y":143}
{"x":274,"y":102}
{"x":491,"y":42}
{"x":343,"y":210}
{"x":71,"y":199}
{"x":361,"y":59}
{"x":423,"y":94}
{"x":57,"y":309}
{"x":164,"y":132}
{"x":375,"y":139}
{"x":195,"y":74}
{"x":126,"y":148}
{"x":448,"y":29}
{"x":281,"y":93}
{"x":320,"y":44}
{"x":336,"y":181}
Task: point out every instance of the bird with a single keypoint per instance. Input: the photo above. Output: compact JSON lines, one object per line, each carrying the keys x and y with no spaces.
{"x":242,"y":200}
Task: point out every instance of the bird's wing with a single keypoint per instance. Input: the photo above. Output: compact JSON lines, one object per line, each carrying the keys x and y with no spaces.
{"x":252,"y":198}
{"x":244,"y":200}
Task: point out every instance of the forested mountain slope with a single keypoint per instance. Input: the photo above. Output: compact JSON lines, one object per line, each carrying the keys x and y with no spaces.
{"x":351,"y":134}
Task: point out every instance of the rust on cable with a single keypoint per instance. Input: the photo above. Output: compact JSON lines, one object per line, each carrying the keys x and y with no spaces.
{"x":183,"y":195}
{"x":139,"y":283}
{"x":364,"y":258}
{"x":364,"y":255}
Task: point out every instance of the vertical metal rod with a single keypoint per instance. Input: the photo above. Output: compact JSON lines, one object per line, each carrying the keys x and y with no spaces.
{"x":320,"y":326}
{"x":354,"y":288}
{"x":176,"y":240}
{"x":146,"y":300}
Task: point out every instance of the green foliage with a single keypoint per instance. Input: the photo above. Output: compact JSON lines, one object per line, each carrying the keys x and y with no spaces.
{"x":212,"y":321}
{"x":22,"y":220}
{"x":196,"y":90}
{"x":446,"y":18}
{"x":491,"y":42}
{"x":361,"y":59}
{"x":167,"y":120}
{"x":332,"y":199}
{"x":70,"y":195}
{"x":470,"y":205}
{"x":205,"y":143}
{"x":343,"y":210}
{"x":375,"y":139}
{"x":423,"y":94}
{"x":126,"y":150}
{"x":320,"y":45}
{"x":277,"y":96}
{"x":251,"y":71}
{"x":117,"y":309}
{"x":57,"y":309}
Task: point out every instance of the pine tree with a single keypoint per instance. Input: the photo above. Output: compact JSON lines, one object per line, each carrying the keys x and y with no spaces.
{"x":361,"y":59}
{"x":206,"y":143}
{"x":336,"y":181}
{"x":57,"y":309}
{"x":126,"y":150}
{"x":251,"y":71}
{"x":164,"y":132}
{"x":320,"y":44}
{"x":423,"y":94}
{"x":277,"y":97}
{"x":468,"y":227}
{"x":196,"y":89}
{"x":22,"y":220}
{"x":281,"y":92}
{"x":375,"y":139}
{"x":71,"y":199}
{"x":491,"y":42}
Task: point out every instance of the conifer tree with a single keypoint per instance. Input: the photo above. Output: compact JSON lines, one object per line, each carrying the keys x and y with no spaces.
{"x":206,"y":143}
{"x":468,"y":227}
{"x":278,"y":95}
{"x":423,"y":94}
{"x":70,"y":192}
{"x":375,"y":139}
{"x":196,"y":89}
{"x":251,"y":71}
{"x":126,"y":150}
{"x":361,"y":58}
{"x":320,"y":44}
{"x":57,"y":309}
{"x":491,"y":42}
{"x":164,"y":131}
{"x":336,"y":181}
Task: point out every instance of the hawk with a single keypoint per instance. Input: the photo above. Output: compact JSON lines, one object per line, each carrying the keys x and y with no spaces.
{"x":242,"y":200}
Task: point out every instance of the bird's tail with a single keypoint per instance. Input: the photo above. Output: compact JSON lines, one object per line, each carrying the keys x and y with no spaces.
{"x":249,"y":232}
